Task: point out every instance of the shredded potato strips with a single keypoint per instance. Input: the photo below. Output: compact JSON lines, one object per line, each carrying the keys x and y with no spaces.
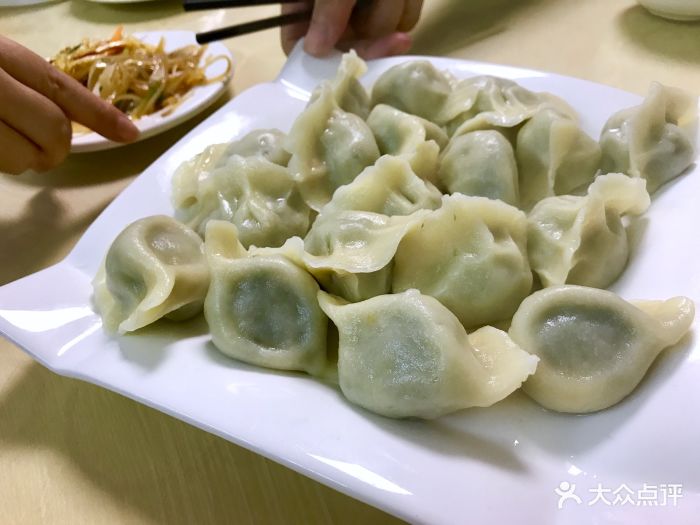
{"x":138,"y":78}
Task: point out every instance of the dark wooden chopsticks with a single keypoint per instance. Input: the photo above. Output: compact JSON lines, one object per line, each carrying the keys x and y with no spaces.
{"x":200,"y":5}
{"x":249,"y":27}
{"x":252,"y":27}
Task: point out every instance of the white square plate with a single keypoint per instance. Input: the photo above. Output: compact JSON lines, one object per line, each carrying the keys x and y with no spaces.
{"x":496,"y":465}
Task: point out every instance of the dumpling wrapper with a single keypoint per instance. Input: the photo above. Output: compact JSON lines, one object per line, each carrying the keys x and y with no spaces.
{"x":261,"y":143}
{"x":329,"y":147}
{"x":554,"y":156}
{"x":487,"y":102}
{"x":656,"y":140}
{"x":416,"y":139}
{"x":594,"y":347}
{"x":351,"y":252}
{"x":261,"y":307}
{"x":389,"y":187}
{"x":471,"y":255}
{"x":583,"y":240}
{"x":480,"y":163}
{"x":265,"y":143}
{"x":406,"y":355}
{"x":154,"y":268}
{"x":416,"y":87}
{"x":349,"y":93}
{"x":258,"y":196}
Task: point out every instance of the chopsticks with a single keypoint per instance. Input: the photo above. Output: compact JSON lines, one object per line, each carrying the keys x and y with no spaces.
{"x":200,"y":5}
{"x":249,"y":27}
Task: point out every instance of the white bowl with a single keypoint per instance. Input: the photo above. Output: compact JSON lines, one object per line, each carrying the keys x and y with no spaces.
{"x":684,"y":10}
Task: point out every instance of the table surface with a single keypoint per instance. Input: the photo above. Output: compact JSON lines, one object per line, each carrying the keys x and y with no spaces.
{"x":73,"y":453}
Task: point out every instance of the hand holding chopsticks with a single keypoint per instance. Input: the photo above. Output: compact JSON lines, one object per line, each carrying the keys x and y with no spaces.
{"x":374,"y":28}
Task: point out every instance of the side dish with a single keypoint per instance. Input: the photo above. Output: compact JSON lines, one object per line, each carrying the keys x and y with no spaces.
{"x":138,"y":78}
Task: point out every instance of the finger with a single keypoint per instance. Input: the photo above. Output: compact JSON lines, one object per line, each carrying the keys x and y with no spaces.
{"x":329,"y":20}
{"x":290,"y":34}
{"x":380,"y":18}
{"x":36,"y":118}
{"x":76,"y":101}
{"x":390,"y":45}
{"x":19,"y":154}
{"x":410,"y":16}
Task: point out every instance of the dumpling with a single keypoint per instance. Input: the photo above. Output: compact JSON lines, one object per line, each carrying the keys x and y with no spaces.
{"x":480,"y":163}
{"x":154,"y":268}
{"x":265,"y":143}
{"x":555,"y":157}
{"x":352,"y":243}
{"x":486,"y":102}
{"x":415,"y":87}
{"x":350,"y":95}
{"x":185,"y":183}
{"x":262,"y":308}
{"x":471,"y":255}
{"x":582,"y":240}
{"x":256,"y":195}
{"x":398,"y":132}
{"x":351,"y":252}
{"x":656,"y":140}
{"x":329,"y":147}
{"x":406,"y":355}
{"x":594,"y":347}
{"x":189,"y":177}
{"x":389,"y":187}
{"x":401,"y":134}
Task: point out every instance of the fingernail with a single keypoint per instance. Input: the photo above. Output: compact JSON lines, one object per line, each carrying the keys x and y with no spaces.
{"x":316,"y":42}
{"x":404,"y":42}
{"x":399,"y":43}
{"x":390,"y":45}
{"x":127,"y":130}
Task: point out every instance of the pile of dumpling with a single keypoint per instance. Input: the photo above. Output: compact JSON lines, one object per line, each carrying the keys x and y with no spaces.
{"x":387,"y":240}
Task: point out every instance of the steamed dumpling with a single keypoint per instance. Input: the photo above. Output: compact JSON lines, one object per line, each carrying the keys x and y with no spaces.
{"x":555,"y":157}
{"x":415,"y":87}
{"x":351,"y":252}
{"x":256,"y":195}
{"x":154,"y":268}
{"x":262,"y":308}
{"x":414,"y":138}
{"x":582,"y":240}
{"x":329,"y":147}
{"x":471,"y":255}
{"x":195,"y":198}
{"x":406,"y":355}
{"x":350,"y":95}
{"x":265,"y":143}
{"x":390,"y":187}
{"x":486,"y":102}
{"x":480,"y":163}
{"x":594,"y":347}
{"x":656,"y":140}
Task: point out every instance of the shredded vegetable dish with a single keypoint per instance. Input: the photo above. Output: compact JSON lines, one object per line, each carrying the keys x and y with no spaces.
{"x":136,"y":77}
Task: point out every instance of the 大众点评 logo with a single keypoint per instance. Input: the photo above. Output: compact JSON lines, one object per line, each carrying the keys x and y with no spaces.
{"x":662,"y":495}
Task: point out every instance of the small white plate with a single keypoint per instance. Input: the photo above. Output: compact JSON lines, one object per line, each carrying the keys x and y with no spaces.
{"x":22,"y":3}
{"x":680,"y":10}
{"x":120,"y":1}
{"x":503,"y":464}
{"x":198,"y":98}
